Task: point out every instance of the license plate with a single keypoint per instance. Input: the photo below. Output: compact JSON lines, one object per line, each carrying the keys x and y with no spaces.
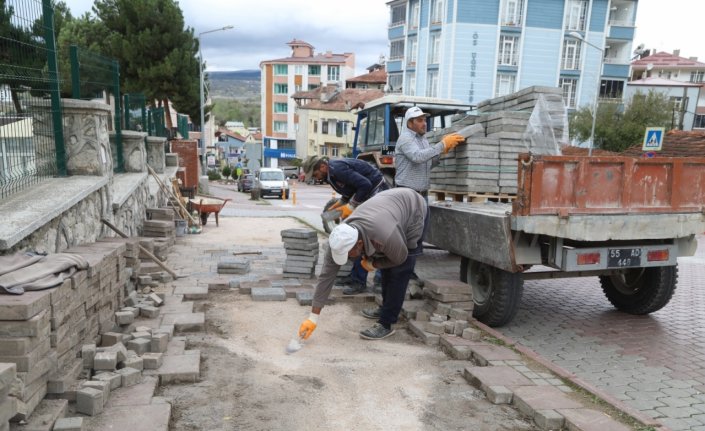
{"x":623,"y":257}
{"x":276,"y":191}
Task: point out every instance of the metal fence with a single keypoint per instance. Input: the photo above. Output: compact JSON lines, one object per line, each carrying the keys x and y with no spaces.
{"x":94,"y":76}
{"x":156,"y":125}
{"x":182,"y":125}
{"x":31,"y":135}
{"x":135,"y":112}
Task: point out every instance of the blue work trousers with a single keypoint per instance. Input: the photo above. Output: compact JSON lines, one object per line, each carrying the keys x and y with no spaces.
{"x":395,"y":280}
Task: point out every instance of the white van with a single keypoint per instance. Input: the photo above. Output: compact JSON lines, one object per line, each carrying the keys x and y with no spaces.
{"x":271,"y":181}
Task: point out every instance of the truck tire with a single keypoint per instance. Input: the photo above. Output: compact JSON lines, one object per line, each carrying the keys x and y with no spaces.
{"x":496,"y":293}
{"x":641,"y":290}
{"x":329,"y":225}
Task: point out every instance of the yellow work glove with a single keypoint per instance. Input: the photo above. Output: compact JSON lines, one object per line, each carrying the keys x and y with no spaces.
{"x":367,"y":264}
{"x":451,"y":141}
{"x":346,"y":210}
{"x":309,"y":325}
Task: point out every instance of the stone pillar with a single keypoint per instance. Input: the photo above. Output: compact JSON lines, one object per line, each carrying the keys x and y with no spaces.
{"x":155,"y":153}
{"x":86,"y":137}
{"x":134,"y":152}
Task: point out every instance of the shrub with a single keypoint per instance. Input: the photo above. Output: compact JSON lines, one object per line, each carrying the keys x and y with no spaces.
{"x":226,"y":171}
{"x":213,"y":175}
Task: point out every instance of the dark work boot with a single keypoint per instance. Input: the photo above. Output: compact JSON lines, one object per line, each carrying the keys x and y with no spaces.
{"x":354,"y":288}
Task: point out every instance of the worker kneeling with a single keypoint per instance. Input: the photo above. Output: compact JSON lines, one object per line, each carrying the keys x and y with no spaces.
{"x":387,"y":231}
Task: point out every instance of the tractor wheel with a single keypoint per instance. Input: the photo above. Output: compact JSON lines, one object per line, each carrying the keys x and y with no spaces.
{"x":640,"y":290}
{"x":496,"y":293}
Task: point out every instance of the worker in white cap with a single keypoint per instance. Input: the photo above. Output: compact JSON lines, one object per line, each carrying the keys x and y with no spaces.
{"x":386,"y":230}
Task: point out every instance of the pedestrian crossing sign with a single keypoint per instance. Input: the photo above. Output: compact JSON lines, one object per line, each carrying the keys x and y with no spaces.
{"x":653,"y":139}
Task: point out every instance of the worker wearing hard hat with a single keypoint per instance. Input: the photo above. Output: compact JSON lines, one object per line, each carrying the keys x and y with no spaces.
{"x":390,"y":246}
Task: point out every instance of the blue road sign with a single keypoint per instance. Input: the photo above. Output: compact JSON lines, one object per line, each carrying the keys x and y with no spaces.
{"x":653,"y":139}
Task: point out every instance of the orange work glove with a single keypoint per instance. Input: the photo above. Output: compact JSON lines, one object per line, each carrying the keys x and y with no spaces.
{"x":346,"y":210}
{"x":339,"y":203}
{"x":367,"y":264}
{"x":451,"y":141}
{"x":309,"y":325}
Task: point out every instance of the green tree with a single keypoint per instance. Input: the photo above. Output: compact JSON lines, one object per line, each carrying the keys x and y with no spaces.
{"x":617,"y":129}
{"x":156,"y":52}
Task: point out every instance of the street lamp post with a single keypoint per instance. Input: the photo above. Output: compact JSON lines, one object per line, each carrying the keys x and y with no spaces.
{"x":576,"y":35}
{"x":200,"y":69}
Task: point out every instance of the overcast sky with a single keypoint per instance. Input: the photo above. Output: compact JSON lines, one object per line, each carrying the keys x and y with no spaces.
{"x":263,"y":27}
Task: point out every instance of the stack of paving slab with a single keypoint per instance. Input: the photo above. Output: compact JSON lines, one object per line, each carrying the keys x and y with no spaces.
{"x":488,"y":161}
{"x":160,"y":229}
{"x":301,"y":247}
{"x":42,"y":332}
{"x":233,"y":265}
{"x":8,"y":403}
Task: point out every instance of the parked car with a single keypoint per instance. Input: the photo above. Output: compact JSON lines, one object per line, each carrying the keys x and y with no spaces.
{"x":291,"y":172}
{"x":272,"y":182}
{"x":245,"y":182}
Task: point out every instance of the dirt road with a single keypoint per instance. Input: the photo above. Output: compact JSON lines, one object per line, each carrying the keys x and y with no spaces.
{"x":336,"y":382}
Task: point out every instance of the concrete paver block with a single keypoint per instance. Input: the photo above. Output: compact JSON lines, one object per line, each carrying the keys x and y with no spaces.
{"x":158,"y":301}
{"x":151,"y":417}
{"x":152,"y":361}
{"x":268,"y":294}
{"x":185,"y":322}
{"x":548,"y":420}
{"x":590,"y":420}
{"x":176,"y":346}
{"x":110,"y":338}
{"x":101,"y":385}
{"x":88,"y":352}
{"x":142,"y":334}
{"x":124,"y":317}
{"x":41,"y":419}
{"x":485,"y":353}
{"x":435,"y":328}
{"x":139,"y":345}
{"x":119,"y":350}
{"x":472,"y":334}
{"x":304,"y":297}
{"x":484,"y":377}
{"x":456,"y":347}
{"x":499,"y":394}
{"x":134,"y":362}
{"x":136,"y":395}
{"x":130,"y":376}
{"x":89,"y":401}
{"x":459,"y":327}
{"x":114,"y":379}
{"x":179,"y":368}
{"x":69,"y":424}
{"x":158,"y":343}
{"x":105,"y":361}
{"x":419,"y":329}
{"x":529,"y":399}
{"x":192,"y":293}
{"x":149,"y":311}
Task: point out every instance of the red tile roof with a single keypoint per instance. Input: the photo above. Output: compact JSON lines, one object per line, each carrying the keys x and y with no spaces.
{"x":378,"y":76}
{"x":664,"y":59}
{"x":344,"y":100}
{"x":318,"y":58}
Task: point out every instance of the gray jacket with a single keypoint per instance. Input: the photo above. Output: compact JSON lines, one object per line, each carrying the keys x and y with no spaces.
{"x":390,"y":223}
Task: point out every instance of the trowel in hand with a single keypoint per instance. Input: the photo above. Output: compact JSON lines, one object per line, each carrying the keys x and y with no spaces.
{"x":295,"y":344}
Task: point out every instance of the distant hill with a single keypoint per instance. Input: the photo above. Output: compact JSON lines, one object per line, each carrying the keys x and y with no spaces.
{"x":237,"y":84}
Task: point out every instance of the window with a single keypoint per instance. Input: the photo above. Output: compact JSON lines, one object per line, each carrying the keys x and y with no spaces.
{"x":696,"y":76}
{"x":323,"y":150}
{"x":414,"y":14}
{"x":677,"y":102}
{"x":315,"y":126}
{"x":396,"y":49}
{"x":576,"y":15}
{"x":398,"y":15}
{"x":280,"y":108}
{"x":298,"y":87}
{"x":334,"y":73}
{"x":569,"y":86}
{"x":411,"y":83}
{"x":412,"y":47}
{"x":436,"y":11}
{"x":505,"y":84}
{"x":324,"y":126}
{"x":281,"y":69}
{"x":299,"y":69}
{"x":281,"y":89}
{"x":395,"y":80}
{"x":280,"y":126}
{"x":334,"y":151}
{"x":314,"y":70}
{"x":611,"y":89}
{"x":699,"y":122}
{"x":432,"y":83}
{"x":571,"y":54}
{"x":313,"y":86}
{"x":508,"y":48}
{"x":434,"y":47}
{"x":512,"y":11}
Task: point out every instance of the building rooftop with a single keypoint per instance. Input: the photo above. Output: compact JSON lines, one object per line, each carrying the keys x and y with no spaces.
{"x":664,"y":59}
{"x":331,"y":98}
{"x":375,"y":76}
{"x":655,"y":81}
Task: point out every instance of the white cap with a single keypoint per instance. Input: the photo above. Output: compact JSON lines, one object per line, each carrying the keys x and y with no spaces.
{"x":341,"y":240}
{"x":413,"y":112}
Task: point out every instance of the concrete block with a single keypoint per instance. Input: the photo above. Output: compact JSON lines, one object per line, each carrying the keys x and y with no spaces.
{"x":124,"y":318}
{"x":485,"y":353}
{"x":590,"y":420}
{"x":548,"y":420}
{"x":192,"y":293}
{"x":158,"y":343}
{"x":158,"y":300}
{"x":185,"y":322}
{"x":142,"y":334}
{"x":179,"y":368}
{"x":143,"y":329}
{"x":484,"y":377}
{"x":110,"y":338}
{"x":134,"y":362}
{"x":139,"y":345}
{"x":152,"y":417}
{"x":456,"y":347}
{"x":529,"y":399}
{"x":419,"y":329}
{"x":472,"y":334}
{"x":89,"y":401}
{"x":139,"y":394}
{"x":304,"y":297}
{"x":134,"y":310}
{"x":165,"y":329}
{"x":449,"y":326}
{"x":435,"y":328}
{"x":114,"y":379}
{"x":423,"y":316}
{"x":152,"y":361}
{"x":130,"y":376}
{"x":459,"y":327}
{"x":119,"y":350}
{"x":148,"y":311}
{"x":69,"y":424}
{"x":101,"y":385}
{"x":105,"y":361}
{"x":499,"y":395}
{"x":268,"y":294}
{"x":88,"y":352}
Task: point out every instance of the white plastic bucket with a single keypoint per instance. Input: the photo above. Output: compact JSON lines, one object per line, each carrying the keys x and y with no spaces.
{"x":180,"y":227}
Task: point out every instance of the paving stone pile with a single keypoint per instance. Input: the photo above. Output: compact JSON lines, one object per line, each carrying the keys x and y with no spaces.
{"x":301,"y":246}
{"x":233,"y":265}
{"x":503,"y":128}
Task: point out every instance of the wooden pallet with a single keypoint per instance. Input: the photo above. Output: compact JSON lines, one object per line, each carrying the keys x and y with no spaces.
{"x":442,"y":195}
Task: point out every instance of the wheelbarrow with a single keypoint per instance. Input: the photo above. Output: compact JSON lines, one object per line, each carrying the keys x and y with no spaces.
{"x":206,"y":205}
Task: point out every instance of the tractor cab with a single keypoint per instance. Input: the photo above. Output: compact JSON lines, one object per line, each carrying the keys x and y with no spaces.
{"x":379,"y":124}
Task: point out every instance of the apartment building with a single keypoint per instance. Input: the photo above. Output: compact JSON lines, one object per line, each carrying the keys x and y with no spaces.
{"x":303,"y":70}
{"x":472,"y":50}
{"x":682,"y":79}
